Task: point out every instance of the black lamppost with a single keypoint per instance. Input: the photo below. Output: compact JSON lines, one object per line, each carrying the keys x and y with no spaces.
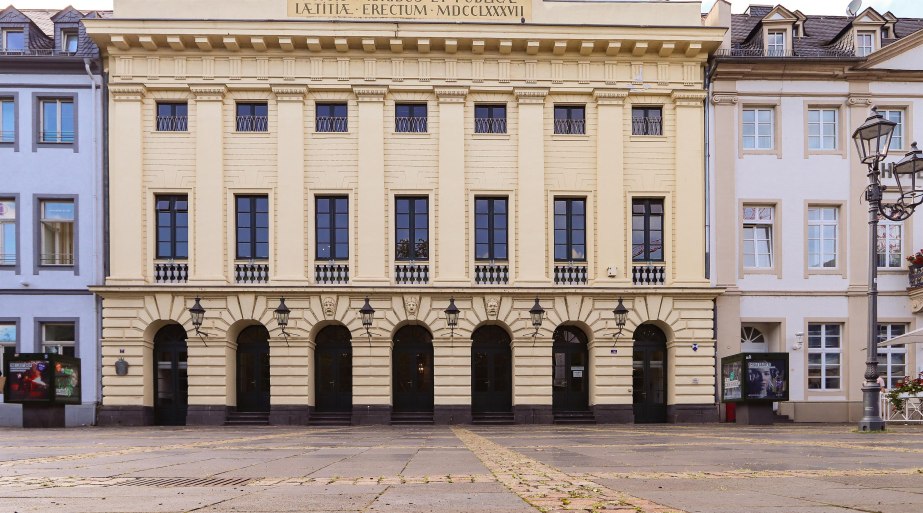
{"x":873,"y":139}
{"x":537,"y":313}
{"x":451,"y":316}
{"x":198,"y":315}
{"x":621,"y":318}
{"x":282,"y":314}
{"x":367,"y":313}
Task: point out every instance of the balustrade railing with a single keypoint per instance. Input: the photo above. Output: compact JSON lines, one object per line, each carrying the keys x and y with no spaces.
{"x":252,"y":123}
{"x":250,"y":273}
{"x":172,"y":123}
{"x":410,"y":124}
{"x":492,"y":274}
{"x":331,"y":124}
{"x":571,"y":274}
{"x":570,"y":126}
{"x":647,"y":126}
{"x":916,"y":277}
{"x":411,"y":274}
{"x":171,"y":272}
{"x":648,"y":274}
{"x":331,"y":274}
{"x":490,"y":125}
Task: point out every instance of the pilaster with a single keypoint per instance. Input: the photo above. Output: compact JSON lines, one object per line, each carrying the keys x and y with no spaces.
{"x":725,"y":188}
{"x":610,"y":187}
{"x":689,"y":208}
{"x":531,"y":244}
{"x":291,"y":394}
{"x":532,"y":377}
{"x":208,"y":249}
{"x":371,"y":242}
{"x":371,"y":371}
{"x":290,"y":254}
{"x":451,"y":239}
{"x":126,"y":188}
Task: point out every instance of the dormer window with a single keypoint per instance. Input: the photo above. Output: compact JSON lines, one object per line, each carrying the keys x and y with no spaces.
{"x":865,"y":43}
{"x":775,"y":43}
{"x":12,"y":41}
{"x":69,"y":42}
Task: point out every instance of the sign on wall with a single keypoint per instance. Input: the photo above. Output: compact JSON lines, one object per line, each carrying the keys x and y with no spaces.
{"x":42,"y":378}
{"x":455,"y":10}
{"x":755,"y":377}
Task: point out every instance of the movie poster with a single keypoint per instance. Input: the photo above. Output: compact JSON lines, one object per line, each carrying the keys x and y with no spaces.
{"x":767,"y":378}
{"x":730,"y":371}
{"x":28,"y":380}
{"x":67,"y":381}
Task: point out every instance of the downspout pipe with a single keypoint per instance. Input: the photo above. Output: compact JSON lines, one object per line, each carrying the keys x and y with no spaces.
{"x":97,"y":217}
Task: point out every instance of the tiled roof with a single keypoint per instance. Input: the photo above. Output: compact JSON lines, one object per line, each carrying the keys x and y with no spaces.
{"x":42,"y":18}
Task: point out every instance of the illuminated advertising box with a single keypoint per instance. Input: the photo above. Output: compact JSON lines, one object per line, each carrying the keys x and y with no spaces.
{"x":754,"y":377}
{"x":42,"y":378}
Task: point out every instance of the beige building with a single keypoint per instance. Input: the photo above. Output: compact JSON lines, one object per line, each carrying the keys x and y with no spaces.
{"x":325,"y":152}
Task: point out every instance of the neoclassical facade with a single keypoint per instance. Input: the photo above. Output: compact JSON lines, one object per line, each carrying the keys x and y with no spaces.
{"x":490,"y":157}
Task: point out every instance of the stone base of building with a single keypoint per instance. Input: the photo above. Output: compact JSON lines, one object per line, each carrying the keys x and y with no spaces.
{"x":290,"y":415}
{"x":822,"y":411}
{"x":613,"y":413}
{"x":371,"y":414}
{"x":533,"y":414}
{"x":456,"y":414}
{"x":80,"y":415}
{"x":128,"y":416}
{"x":692,"y":413}
{"x":206,"y":415}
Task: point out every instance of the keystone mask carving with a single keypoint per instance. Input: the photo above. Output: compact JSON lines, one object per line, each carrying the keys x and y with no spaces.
{"x":493,"y":306}
{"x":411,"y":303}
{"x":330,"y":306}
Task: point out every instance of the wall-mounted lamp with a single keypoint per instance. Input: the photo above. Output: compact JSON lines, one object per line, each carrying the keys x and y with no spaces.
{"x":621,"y":318}
{"x":451,"y":316}
{"x":282,"y":314}
{"x":799,"y":341}
{"x":537,"y":313}
{"x":367,"y":313}
{"x":198,"y":316}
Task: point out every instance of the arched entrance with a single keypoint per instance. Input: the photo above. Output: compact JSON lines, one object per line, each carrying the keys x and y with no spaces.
{"x":412,"y":372}
{"x":571,"y":364}
{"x":333,"y":370}
{"x":171,"y":379}
{"x":491,"y":371}
{"x":253,"y":369}
{"x":649,"y":374}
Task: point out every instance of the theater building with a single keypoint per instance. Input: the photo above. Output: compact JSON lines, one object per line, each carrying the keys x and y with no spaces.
{"x":485,"y":154}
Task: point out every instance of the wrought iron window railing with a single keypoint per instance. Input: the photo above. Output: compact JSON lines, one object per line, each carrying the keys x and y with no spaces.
{"x":331,"y":124}
{"x":7,"y":136}
{"x":788,"y":52}
{"x":647,"y":126}
{"x":332,"y":273}
{"x":7,"y":258}
{"x":570,"y":126}
{"x":251,"y":273}
{"x":490,"y":125}
{"x":171,"y":272}
{"x":572,"y":273}
{"x":172,"y":123}
{"x":252,"y":123}
{"x":410,"y":124}
{"x":916,"y":277}
{"x":35,"y":52}
{"x":56,"y":259}
{"x":492,"y":274}
{"x":649,"y":273}
{"x":411,"y":274}
{"x":57,"y":137}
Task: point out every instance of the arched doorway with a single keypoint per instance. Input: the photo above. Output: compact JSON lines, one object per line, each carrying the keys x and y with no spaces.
{"x":571,"y":364}
{"x":333,"y":370}
{"x":171,"y":378}
{"x":412,"y":372}
{"x":253,"y":369}
{"x":649,"y":374}
{"x":491,"y":371}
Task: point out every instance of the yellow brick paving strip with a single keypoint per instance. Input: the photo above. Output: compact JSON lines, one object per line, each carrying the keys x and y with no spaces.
{"x":750,"y":474}
{"x":547,"y":488}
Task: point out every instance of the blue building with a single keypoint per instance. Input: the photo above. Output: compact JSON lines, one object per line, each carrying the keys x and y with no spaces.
{"x":51,"y":194}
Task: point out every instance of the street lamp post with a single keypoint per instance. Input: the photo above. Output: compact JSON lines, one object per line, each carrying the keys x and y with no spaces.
{"x":873,"y":140}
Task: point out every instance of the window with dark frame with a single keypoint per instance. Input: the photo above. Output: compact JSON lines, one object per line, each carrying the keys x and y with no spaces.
{"x":570,"y":119}
{"x":252,"y":117}
{"x":410,"y":118}
{"x":57,"y":121}
{"x":489,"y":119}
{"x":412,"y":228}
{"x":12,"y":40}
{"x":490,"y":229}
{"x":8,"y":338}
{"x":252,"y":227}
{"x":646,"y":121}
{"x":172,"y":117}
{"x":8,"y":231}
{"x":59,"y":338}
{"x":172,"y":227}
{"x":570,"y":230}
{"x":7,"y":120}
{"x":332,"y":227}
{"x":69,"y":43}
{"x":331,"y":117}
{"x":58,"y":232}
{"x":647,"y":230}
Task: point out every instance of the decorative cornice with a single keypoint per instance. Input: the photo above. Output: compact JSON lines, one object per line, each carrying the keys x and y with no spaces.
{"x":208,"y":93}
{"x":534,"y":96}
{"x":610,"y":96}
{"x":451,"y":94}
{"x":860,"y":100}
{"x":370,"y":93}
{"x":290,"y":93}
{"x":689,"y":98}
{"x":127,"y":93}
{"x":724,"y":99}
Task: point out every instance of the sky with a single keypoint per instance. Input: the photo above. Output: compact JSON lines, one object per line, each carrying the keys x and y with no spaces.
{"x":901,"y":8}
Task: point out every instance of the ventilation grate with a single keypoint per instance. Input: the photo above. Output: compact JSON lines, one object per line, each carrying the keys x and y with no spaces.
{"x":184,"y":482}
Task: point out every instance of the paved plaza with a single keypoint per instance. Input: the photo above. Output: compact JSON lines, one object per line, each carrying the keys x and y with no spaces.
{"x":510,"y":469}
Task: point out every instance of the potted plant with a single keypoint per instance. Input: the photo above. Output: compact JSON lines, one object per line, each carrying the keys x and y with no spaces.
{"x":903,"y":390}
{"x":916,"y":259}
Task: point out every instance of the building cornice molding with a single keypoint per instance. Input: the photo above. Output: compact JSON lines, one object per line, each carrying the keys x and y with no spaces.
{"x":125,"y":93}
{"x":689,"y":98}
{"x":290,"y":93}
{"x":610,"y":96}
{"x":531,"y":95}
{"x":370,"y":93}
{"x":451,"y":94}
{"x":208,"y":93}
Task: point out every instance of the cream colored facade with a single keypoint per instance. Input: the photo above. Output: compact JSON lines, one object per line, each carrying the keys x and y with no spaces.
{"x":562,"y":54}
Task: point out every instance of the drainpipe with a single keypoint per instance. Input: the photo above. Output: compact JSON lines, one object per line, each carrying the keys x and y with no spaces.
{"x":709,"y":253}
{"x":97,"y":217}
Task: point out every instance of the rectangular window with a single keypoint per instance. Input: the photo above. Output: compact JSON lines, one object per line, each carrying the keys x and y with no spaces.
{"x":172,"y":117}
{"x":252,"y":227}
{"x":897,"y":116}
{"x":646,"y":121}
{"x":822,"y":129}
{"x":490,"y":228}
{"x":69,"y":42}
{"x":758,"y":129}
{"x":410,"y":118}
{"x":892,"y":360}
{"x":865,"y":43}
{"x":332,"y":218}
{"x":59,"y":338}
{"x":647,"y":230}
{"x":412,"y":228}
{"x":7,"y":232}
{"x":7,"y":120}
{"x":172,"y":227}
{"x":570,"y":119}
{"x":569,"y":230}
{"x":489,"y":119}
{"x":758,"y":223}
{"x":12,"y":41}
{"x":8,"y":339}
{"x":890,"y":244}
{"x":57,"y":232}
{"x":824,"y":356}
{"x":57,"y":121}
{"x":823,"y":224}
{"x":331,"y":117}
{"x":775,"y":45}
{"x":252,"y":117}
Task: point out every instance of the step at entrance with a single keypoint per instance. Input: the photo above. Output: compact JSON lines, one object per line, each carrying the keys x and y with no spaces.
{"x":492,"y":418}
{"x":247,"y":418}
{"x":574,"y":417}
{"x":330,"y":418}
{"x":411,"y":418}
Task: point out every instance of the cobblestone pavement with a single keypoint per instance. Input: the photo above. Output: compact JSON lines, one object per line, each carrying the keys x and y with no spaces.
{"x":509,"y":469}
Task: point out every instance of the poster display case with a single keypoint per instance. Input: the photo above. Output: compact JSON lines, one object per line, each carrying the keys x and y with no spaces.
{"x":38,"y":378}
{"x":754,"y":378}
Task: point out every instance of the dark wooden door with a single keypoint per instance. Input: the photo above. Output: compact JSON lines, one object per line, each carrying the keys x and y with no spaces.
{"x":649,"y":375}
{"x":491,"y":371}
{"x":333,"y":370}
{"x":570,"y":366}
{"x":412,"y":373}
{"x":171,"y":382}
{"x":253,"y":370}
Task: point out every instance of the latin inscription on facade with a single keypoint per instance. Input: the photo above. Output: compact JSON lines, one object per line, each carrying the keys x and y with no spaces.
{"x":457,"y":10}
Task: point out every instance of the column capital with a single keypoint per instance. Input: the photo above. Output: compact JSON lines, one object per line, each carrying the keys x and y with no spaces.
{"x":531,"y":96}
{"x":127,"y":93}
{"x":289,"y":93}
{"x":451,"y":94}
{"x":860,"y":100}
{"x":209,"y":93}
{"x":370,"y":93}
{"x":724,"y":99}
{"x":610,"y":96}
{"x":689,"y":98}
